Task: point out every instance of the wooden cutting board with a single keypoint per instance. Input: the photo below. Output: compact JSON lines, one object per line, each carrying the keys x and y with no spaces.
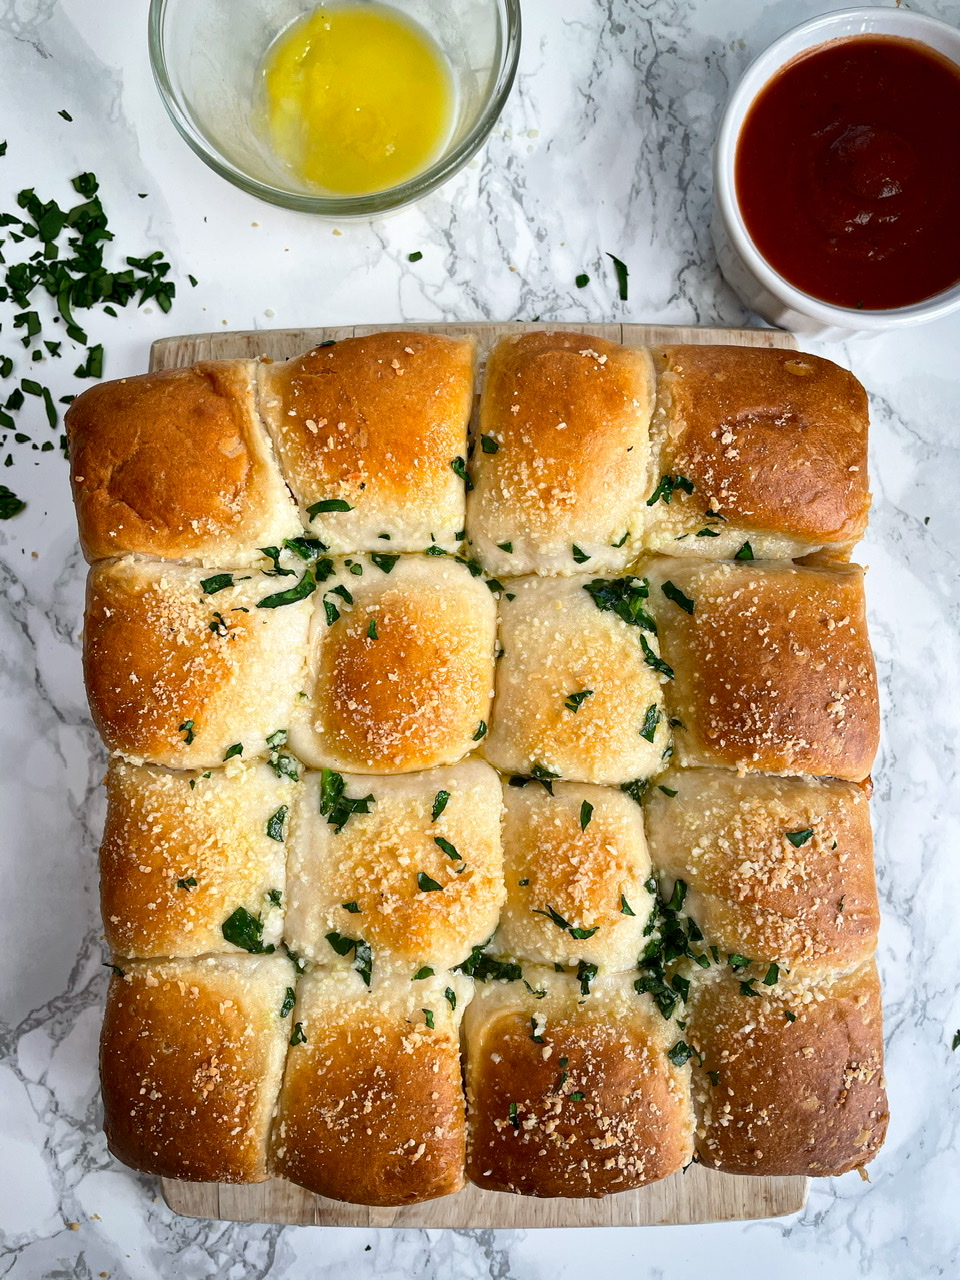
{"x":696,"y":1195}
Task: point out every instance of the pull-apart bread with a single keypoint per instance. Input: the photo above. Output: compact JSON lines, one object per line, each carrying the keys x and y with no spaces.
{"x":487,"y":799}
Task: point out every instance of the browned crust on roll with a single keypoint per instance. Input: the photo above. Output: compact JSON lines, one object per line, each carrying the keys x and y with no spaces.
{"x":372,"y":1108}
{"x":807,"y":903}
{"x":802,"y":1097}
{"x":772,"y":440}
{"x":176,"y":464}
{"x":375,"y":421}
{"x":191,"y":1057}
{"x":773,"y":669}
{"x":570,"y":413}
{"x":527,"y":1131}
{"x":172,"y":673}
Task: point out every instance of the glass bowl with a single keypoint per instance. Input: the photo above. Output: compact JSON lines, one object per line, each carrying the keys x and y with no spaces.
{"x":206,"y":55}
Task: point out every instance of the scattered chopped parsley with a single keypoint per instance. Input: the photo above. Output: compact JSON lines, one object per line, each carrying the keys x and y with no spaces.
{"x":654,"y":660}
{"x":304,"y":588}
{"x":384,"y":560}
{"x":415,"y":256}
{"x":577,"y":1096}
{"x":439,"y":804}
{"x":449,"y":849}
{"x":707,"y":533}
{"x":424,"y":972}
{"x":680,"y":1054}
{"x":488,"y":444}
{"x":10,"y":504}
{"x":428,"y":1015}
{"x":650,"y":721}
{"x":219,"y":582}
{"x":337,"y":807}
{"x":622,"y":276}
{"x":460,"y":469}
{"x":299,"y":1035}
{"x":575,"y":701}
{"x":426,"y":884}
{"x":792,"y":1017}
{"x":544,"y":776}
{"x":772,"y":976}
{"x":486,"y":968}
{"x":714,"y":1077}
{"x":289,"y":1000}
{"x":245,"y":931}
{"x":512,"y":1114}
{"x":506,"y":546}
{"x":582,"y":280}
{"x":667,"y":791}
{"x":676,"y":595}
{"x":278,"y":571}
{"x":187,"y":730}
{"x":481,"y":731}
{"x":372,"y":630}
{"x":327,"y":504}
{"x":625,"y":907}
{"x":624,"y":597}
{"x":799,"y":838}
{"x":306,"y":548}
{"x":581,"y":557}
{"x":352,"y":907}
{"x":558,"y":920}
{"x":668,"y":486}
{"x":188,"y":883}
{"x":362,"y":955}
{"x":745,"y":552}
{"x":451,"y":997}
{"x":275,"y":824}
{"x":235,"y":750}
{"x":586,"y":813}
{"x":635,"y":789}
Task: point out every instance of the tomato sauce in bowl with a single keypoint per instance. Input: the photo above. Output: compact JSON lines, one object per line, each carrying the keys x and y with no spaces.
{"x":847,"y":172}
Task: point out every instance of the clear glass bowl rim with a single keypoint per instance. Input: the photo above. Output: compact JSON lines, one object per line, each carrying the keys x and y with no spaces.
{"x":376,"y":202}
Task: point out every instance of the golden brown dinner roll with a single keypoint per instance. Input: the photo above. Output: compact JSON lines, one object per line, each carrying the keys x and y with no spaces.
{"x":372,"y":436}
{"x":372,"y":1104}
{"x":401,"y":673}
{"x":560,"y":466}
{"x":758,"y":446}
{"x":194,"y":862}
{"x":778,"y":870}
{"x":186,"y":671}
{"x":578,"y":687}
{"x":177,"y":464}
{"x":790,"y":1081}
{"x":576,"y":869}
{"x":410,"y":877}
{"x":191,"y":1060}
{"x":572,"y":1095}
{"x":773,"y":665}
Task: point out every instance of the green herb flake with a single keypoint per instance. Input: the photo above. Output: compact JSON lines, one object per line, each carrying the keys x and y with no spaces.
{"x":188,"y":883}
{"x":424,"y":972}
{"x":635,"y":789}
{"x":415,"y":256}
{"x":577,"y":1096}
{"x":289,"y":1000}
{"x":714,"y":1077}
{"x":362,"y":955}
{"x":579,"y":556}
{"x":650,"y":721}
{"x":337,"y":807}
{"x":678,"y":896}
{"x":275,"y":824}
{"x":625,"y":598}
{"x":299,"y":1035}
{"x":10,"y":504}
{"x":745,"y":552}
{"x":187,"y":730}
{"x":235,"y":750}
{"x":488,"y":444}
{"x":667,"y":791}
{"x":439,"y":804}
{"x":585,"y":975}
{"x":772,"y":976}
{"x":451,"y":997}
{"x":582,"y":280}
{"x":460,"y":469}
{"x":372,"y":630}
{"x":219,"y":582}
{"x":625,"y":907}
{"x":575,"y":701}
{"x":428,"y":1016}
{"x":384,"y":560}
{"x":304,"y":588}
{"x":654,"y":660}
{"x":245,"y":931}
{"x":676,"y":595}
{"x":586,"y":813}
{"x":622,"y":276}
{"x":326,"y":505}
{"x":481,"y":731}
{"x":667,"y":487}
{"x":512,"y":1115}
{"x":426,"y":884}
{"x":506,"y":546}
{"x":680,"y":1054}
{"x":707,"y":533}
{"x":544,"y":776}
{"x":449,"y":849}
{"x":800,"y":838}
{"x":352,"y":907}
{"x":66,"y":116}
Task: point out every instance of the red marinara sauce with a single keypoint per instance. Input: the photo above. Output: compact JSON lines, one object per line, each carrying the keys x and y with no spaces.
{"x":848,"y":172}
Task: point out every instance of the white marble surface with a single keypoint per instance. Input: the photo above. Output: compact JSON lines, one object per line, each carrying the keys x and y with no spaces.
{"x":603,"y":147}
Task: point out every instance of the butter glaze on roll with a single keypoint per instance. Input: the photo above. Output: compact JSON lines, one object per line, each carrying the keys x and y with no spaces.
{"x":177,"y":676}
{"x":182,"y":851}
{"x":557,"y":646}
{"x":773,"y":667}
{"x":378,"y":423}
{"x":376,"y":861}
{"x":402,"y":679}
{"x":560,"y":469}
{"x":571,"y":1095}
{"x":774,"y":444}
{"x":589,"y":866}
{"x":372,"y":1108}
{"x":777,"y":869}
{"x":191,"y":1059}
{"x":177,"y":464}
{"x":797,"y":1085}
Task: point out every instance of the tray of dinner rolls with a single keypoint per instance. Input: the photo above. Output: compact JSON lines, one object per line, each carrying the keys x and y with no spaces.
{"x":490,"y":714}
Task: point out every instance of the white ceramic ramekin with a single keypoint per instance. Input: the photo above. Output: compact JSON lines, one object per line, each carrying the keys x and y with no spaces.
{"x":746,"y":271}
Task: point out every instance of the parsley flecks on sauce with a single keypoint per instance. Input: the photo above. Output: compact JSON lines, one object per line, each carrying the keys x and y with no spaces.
{"x":449,"y":849}
{"x":337,"y":807}
{"x":424,"y":972}
{"x":486,"y":968}
{"x":326,"y":505}
{"x":289,"y":1000}
{"x":488,"y":444}
{"x":384,"y":560}
{"x":650,"y":721}
{"x":674,"y":593}
{"x":624,"y":597}
{"x":460,"y":469}
{"x":275,"y":824}
{"x":245,"y":930}
{"x":558,"y":920}
{"x":586,"y":813}
{"x":304,"y":588}
{"x":299,"y":1035}
{"x":426,"y":884}
{"x":362,"y":955}
{"x":668,"y":486}
{"x":800,"y":838}
{"x":439,"y":804}
{"x":575,"y":701}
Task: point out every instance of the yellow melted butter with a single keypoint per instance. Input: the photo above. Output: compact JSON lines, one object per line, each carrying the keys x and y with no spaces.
{"x":357,"y":98}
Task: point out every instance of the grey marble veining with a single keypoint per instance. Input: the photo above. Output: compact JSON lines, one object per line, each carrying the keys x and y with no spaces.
{"x":603,"y":148}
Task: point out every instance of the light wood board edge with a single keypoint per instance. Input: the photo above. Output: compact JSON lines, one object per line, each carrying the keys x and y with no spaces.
{"x":698,"y":1195}
{"x":282,"y":344}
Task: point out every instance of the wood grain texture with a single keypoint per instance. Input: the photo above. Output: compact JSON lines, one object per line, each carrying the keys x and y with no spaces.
{"x":697,"y":1195}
